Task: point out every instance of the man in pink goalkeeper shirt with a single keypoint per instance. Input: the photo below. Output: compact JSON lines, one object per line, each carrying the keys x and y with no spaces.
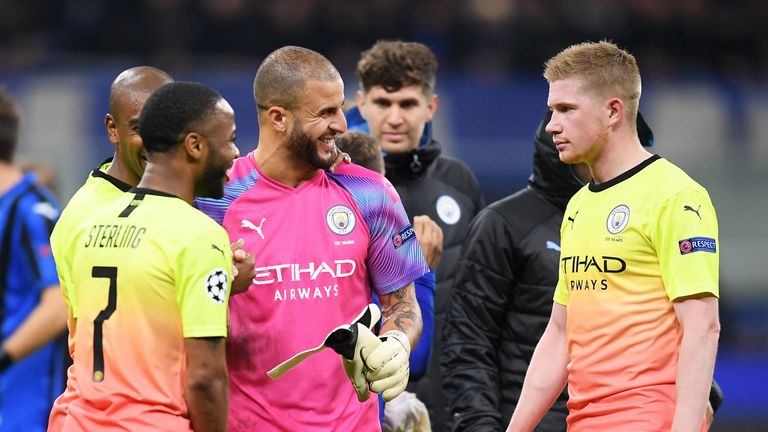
{"x":323,"y":242}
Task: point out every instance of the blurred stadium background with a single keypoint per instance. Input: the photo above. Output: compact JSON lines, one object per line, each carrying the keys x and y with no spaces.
{"x":704,"y":65}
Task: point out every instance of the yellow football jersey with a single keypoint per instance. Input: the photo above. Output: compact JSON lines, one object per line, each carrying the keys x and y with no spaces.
{"x":99,"y":190}
{"x":630,"y":247}
{"x":148,"y":271}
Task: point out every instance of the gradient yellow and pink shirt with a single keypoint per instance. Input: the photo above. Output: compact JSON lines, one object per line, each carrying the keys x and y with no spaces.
{"x":148,"y":270}
{"x":321,"y":251}
{"x":630,"y":247}
{"x":99,"y":190}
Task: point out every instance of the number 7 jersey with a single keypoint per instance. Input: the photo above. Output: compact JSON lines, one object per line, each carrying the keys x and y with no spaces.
{"x":149,"y":270}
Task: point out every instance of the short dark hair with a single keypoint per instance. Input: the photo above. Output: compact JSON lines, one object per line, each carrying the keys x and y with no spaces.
{"x":172,"y":111}
{"x":283,"y":74}
{"x":363,"y":150}
{"x":395,"y":64}
{"x":9,"y":126}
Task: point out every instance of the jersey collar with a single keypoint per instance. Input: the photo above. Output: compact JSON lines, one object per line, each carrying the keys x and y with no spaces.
{"x":623,"y":176}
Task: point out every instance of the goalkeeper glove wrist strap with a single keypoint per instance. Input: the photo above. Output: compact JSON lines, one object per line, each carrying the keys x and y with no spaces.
{"x":400,"y":337}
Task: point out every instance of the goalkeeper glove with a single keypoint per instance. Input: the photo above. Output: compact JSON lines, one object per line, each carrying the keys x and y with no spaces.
{"x":387,"y":364}
{"x":349,"y":347}
{"x":348,"y":341}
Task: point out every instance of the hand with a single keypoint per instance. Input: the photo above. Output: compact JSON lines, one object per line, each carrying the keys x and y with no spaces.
{"x":243,"y":268}
{"x":355,"y":367}
{"x":430,"y":238}
{"x":340,"y":157}
{"x":351,"y":343}
{"x":387,"y":364}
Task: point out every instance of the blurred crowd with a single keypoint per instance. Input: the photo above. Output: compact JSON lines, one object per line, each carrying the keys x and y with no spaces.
{"x":487,"y":37}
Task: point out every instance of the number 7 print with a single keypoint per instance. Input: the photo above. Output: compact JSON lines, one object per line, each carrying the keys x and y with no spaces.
{"x":98,"y":350}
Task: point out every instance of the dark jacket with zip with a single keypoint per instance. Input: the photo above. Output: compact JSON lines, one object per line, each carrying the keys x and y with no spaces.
{"x":439,"y":187}
{"x":502,"y":298}
{"x":446,"y":190}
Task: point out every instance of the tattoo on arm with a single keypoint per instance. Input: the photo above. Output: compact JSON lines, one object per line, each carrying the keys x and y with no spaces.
{"x":401,"y":294}
{"x":402,"y":311}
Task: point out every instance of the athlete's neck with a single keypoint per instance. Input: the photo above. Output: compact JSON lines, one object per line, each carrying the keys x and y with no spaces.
{"x":281,"y":167}
{"x":9,"y":176}
{"x":166,"y":176}
{"x":119,"y":170}
{"x":615,"y":160}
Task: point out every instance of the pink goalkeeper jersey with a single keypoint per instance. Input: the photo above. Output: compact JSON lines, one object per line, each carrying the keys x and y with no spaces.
{"x":321,"y":250}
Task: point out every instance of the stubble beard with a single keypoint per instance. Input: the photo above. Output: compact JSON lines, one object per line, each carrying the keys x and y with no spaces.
{"x":304,"y":148}
{"x":211,"y":184}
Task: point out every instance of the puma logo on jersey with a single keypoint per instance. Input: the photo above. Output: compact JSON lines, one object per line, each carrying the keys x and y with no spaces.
{"x":691,"y":209}
{"x":245,"y":223}
{"x":572,"y":220}
{"x":213,"y":246}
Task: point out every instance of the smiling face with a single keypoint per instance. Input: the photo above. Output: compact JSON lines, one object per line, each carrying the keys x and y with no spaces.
{"x":317,"y":121}
{"x":397,"y":119}
{"x":123,"y":131}
{"x":579,"y":124}
{"x":219,"y":131}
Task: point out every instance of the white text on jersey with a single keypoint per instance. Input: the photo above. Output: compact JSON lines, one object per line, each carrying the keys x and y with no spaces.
{"x":297,"y":272}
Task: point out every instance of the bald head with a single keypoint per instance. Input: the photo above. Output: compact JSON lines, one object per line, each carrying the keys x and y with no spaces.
{"x":283,"y":74}
{"x":140,"y":80}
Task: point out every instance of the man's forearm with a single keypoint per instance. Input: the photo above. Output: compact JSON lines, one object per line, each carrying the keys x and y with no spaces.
{"x":207,"y":387}
{"x":400,"y":311}
{"x":547,"y":375}
{"x":45,"y":322}
{"x":696,"y":365}
{"x":208,"y":404}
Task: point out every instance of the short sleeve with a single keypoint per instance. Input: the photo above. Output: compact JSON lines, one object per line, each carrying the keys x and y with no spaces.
{"x":394,"y":256}
{"x":62,"y":265}
{"x":561,"y":292}
{"x":203,"y":278}
{"x":686,"y":241}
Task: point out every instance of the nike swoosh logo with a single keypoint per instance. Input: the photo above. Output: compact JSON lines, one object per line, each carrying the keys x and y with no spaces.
{"x":552,"y":245}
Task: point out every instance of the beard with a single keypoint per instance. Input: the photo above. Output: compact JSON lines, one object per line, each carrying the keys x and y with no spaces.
{"x":211,"y":184}
{"x":304,"y":148}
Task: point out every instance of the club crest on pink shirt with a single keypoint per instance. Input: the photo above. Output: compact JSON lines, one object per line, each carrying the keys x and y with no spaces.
{"x":341,"y":219}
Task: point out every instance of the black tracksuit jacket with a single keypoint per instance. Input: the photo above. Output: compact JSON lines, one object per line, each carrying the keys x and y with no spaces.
{"x":502,"y":298}
{"x":421,"y":177}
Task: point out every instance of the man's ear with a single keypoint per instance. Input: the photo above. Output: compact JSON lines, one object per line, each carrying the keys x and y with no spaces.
{"x":195,"y":146}
{"x":278,"y":118}
{"x":615,"y":111}
{"x":432,"y":105}
{"x":360,"y":102}
{"x":111,"y":125}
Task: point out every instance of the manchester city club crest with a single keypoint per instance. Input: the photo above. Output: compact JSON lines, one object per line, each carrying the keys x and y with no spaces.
{"x":448,"y":209}
{"x":617,"y":219}
{"x":340,"y":219}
